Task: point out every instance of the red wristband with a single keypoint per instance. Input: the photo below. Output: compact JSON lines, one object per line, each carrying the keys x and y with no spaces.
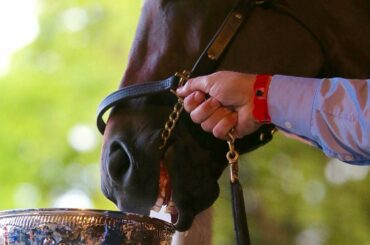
{"x":260,"y":107}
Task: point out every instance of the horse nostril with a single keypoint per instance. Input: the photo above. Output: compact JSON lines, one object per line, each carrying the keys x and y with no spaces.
{"x":119,"y":161}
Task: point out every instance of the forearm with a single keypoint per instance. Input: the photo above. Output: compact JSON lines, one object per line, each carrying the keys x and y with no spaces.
{"x":333,"y":114}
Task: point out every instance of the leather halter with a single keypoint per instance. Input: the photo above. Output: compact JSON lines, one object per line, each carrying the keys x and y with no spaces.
{"x":207,"y":63}
{"x":131,"y":92}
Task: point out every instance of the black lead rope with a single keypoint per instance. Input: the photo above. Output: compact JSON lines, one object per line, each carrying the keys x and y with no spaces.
{"x":240,"y":217}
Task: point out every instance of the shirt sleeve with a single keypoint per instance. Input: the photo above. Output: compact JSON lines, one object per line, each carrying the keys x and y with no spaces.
{"x":333,"y":114}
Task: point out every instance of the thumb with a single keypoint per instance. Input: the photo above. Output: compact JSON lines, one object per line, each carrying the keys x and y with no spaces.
{"x":195,"y":84}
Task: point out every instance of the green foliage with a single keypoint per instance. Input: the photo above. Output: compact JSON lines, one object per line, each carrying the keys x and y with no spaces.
{"x":56,"y":83}
{"x":292,"y":197}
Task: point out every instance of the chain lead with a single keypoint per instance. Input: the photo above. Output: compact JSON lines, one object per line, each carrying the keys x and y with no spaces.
{"x":176,"y":112}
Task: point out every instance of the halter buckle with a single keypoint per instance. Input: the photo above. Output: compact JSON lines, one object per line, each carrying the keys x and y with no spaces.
{"x":184,"y":77}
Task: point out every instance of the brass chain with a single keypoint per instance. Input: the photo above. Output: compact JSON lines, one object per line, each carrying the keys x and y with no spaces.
{"x":232,"y":157}
{"x":176,"y":112}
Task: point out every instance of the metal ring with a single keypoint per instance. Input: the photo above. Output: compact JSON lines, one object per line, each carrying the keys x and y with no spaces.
{"x":232,"y":156}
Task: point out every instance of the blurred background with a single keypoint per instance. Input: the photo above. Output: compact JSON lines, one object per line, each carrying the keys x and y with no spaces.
{"x":58,"y":59}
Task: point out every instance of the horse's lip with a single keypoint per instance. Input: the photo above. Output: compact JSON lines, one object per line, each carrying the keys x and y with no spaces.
{"x":184,"y":220}
{"x":164,"y":196}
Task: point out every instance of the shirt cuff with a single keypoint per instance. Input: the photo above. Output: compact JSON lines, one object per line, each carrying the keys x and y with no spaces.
{"x":290,"y":103}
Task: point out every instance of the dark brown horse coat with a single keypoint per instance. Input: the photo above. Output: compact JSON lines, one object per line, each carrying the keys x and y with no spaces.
{"x":316,"y":38}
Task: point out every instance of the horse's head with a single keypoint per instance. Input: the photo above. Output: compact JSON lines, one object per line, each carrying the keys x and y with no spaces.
{"x":165,"y":42}
{"x":169,"y":38}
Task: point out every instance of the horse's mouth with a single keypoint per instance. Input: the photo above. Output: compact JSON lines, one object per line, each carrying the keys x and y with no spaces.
{"x":164,"y":197}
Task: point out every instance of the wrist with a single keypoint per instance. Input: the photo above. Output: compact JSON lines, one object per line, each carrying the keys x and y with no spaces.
{"x":260,"y":94}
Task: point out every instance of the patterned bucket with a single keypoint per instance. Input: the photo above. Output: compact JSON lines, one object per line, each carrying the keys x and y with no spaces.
{"x":81,"y":226}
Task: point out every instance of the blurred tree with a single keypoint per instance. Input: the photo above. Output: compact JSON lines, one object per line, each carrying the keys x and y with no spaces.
{"x":49,"y":147}
{"x":296,"y":195}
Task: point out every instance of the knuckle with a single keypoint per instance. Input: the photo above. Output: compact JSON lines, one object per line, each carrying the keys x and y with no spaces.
{"x":189,"y":84}
{"x":199,"y":97}
{"x":192,"y":101}
{"x":206,"y":83}
{"x":192,"y":84}
{"x":187,"y":104}
{"x":208,"y":105}
{"x":223,"y":111}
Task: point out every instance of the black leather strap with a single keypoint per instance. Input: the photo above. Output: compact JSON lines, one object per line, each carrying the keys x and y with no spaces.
{"x":212,"y":56}
{"x":131,"y":92}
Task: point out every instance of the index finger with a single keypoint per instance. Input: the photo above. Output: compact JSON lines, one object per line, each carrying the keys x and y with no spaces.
{"x":195,"y":84}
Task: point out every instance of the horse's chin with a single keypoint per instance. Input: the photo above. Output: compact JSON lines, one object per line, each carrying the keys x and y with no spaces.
{"x":184,"y":220}
{"x":181,"y":216}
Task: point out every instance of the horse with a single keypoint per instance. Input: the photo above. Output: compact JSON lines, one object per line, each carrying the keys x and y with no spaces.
{"x":299,"y":38}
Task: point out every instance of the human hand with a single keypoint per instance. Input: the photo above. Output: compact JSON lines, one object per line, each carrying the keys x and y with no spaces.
{"x":221,"y":101}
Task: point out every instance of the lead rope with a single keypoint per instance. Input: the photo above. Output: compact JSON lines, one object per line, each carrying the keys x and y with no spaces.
{"x":232,"y":156}
{"x":240,"y":217}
